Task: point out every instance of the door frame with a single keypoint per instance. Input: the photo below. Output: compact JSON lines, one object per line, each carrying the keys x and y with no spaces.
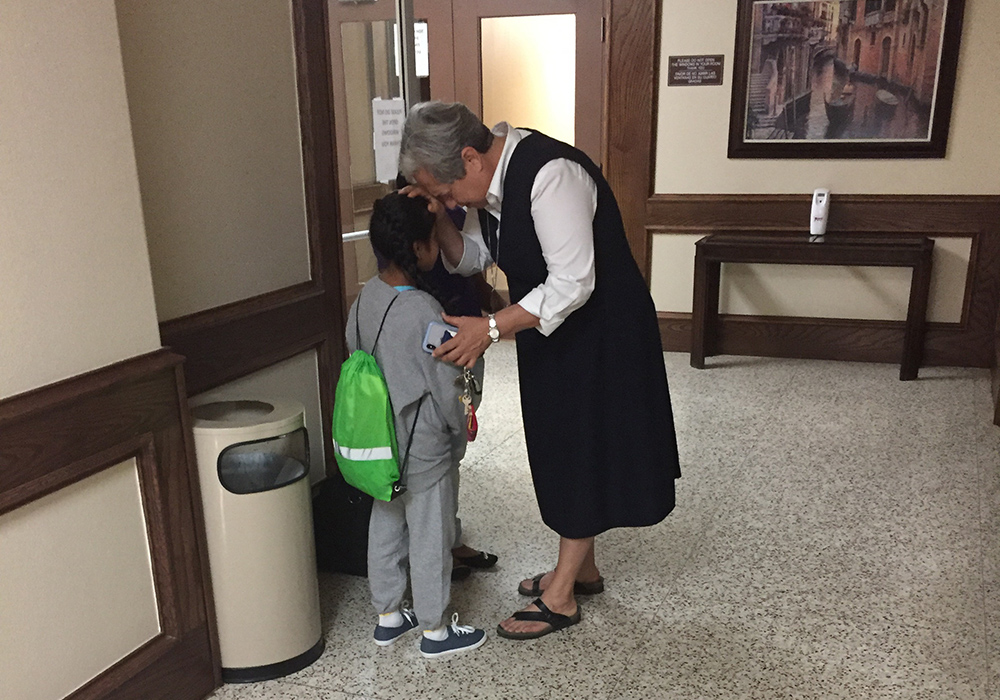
{"x":633,"y":35}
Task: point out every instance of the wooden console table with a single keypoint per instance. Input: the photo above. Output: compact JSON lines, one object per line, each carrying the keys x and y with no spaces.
{"x":863,"y":250}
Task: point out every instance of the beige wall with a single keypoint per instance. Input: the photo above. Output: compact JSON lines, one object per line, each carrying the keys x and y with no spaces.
{"x":76,"y":585}
{"x":214,"y":106}
{"x":75,"y":289}
{"x":692,"y":138}
{"x":76,"y":588}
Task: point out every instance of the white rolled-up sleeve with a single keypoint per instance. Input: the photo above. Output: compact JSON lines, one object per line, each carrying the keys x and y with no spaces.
{"x":563,"y":205}
{"x":475,"y":256}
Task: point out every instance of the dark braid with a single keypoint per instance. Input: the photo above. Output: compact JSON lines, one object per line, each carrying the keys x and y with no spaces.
{"x":397,"y":223}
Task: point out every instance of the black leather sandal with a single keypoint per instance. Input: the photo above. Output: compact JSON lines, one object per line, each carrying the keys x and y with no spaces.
{"x":555,"y":621}
{"x":579,"y":588}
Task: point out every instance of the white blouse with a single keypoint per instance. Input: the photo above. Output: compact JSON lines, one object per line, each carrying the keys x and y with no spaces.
{"x":563,"y":205}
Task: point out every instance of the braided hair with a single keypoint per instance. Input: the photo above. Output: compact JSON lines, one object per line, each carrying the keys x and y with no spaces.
{"x":397,"y":222}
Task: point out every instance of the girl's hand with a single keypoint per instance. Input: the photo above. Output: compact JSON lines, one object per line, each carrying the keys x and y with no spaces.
{"x":469,"y":343}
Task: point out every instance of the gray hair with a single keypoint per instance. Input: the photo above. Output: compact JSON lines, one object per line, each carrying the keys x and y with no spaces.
{"x":433,"y":138}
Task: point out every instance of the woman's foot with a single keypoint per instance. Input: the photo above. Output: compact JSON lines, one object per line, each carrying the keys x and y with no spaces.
{"x":587,"y":583}
{"x":540,"y":621}
{"x":464,"y":550}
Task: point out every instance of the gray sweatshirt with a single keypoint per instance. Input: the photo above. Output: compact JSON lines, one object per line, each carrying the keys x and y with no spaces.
{"x":439,"y":440}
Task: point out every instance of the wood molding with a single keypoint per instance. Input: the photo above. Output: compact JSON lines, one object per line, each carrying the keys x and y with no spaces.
{"x":995,"y":374}
{"x":853,"y":340}
{"x":58,"y":435}
{"x":633,"y":84}
{"x":231,"y":341}
{"x":159,"y":670}
{"x":969,"y":343}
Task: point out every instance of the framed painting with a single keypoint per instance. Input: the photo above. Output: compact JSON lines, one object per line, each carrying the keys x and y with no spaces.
{"x":844,"y":79}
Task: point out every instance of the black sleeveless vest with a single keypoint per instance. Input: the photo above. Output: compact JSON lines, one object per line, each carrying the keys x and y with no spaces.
{"x":594,"y":398}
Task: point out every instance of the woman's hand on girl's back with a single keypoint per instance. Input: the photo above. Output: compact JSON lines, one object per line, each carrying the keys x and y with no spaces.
{"x":469,"y":343}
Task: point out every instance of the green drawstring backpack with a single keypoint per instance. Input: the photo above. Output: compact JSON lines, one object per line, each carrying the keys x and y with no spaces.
{"x":364,"y":429}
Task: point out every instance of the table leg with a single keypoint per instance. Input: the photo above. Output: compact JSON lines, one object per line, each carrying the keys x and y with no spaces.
{"x":916,"y":319}
{"x":705,"y":308}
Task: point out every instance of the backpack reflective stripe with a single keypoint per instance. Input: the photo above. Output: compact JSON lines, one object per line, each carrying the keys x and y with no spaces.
{"x":363,"y":454}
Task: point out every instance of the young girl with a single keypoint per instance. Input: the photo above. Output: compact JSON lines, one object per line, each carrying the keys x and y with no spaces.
{"x":418,"y":525}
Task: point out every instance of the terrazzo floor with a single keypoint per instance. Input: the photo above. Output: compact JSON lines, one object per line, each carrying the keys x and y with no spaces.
{"x":837,"y":535}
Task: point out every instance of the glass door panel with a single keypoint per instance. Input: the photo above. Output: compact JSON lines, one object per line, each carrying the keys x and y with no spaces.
{"x":369,"y":73}
{"x":529,"y":72}
{"x":365,"y":65}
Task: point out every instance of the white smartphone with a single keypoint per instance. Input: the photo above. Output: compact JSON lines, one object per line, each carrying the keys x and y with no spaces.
{"x":438,"y":333}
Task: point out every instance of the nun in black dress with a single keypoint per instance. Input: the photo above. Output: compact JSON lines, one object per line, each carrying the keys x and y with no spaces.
{"x":594,"y":397}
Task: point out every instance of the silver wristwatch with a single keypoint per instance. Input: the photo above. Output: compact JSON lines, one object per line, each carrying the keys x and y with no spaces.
{"x":494,"y":332}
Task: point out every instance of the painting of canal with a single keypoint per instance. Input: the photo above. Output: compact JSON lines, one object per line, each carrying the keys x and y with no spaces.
{"x":843,"y":71}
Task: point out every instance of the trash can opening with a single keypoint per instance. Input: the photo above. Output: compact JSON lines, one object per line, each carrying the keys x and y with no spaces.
{"x":232,"y":410}
{"x":264,"y":465}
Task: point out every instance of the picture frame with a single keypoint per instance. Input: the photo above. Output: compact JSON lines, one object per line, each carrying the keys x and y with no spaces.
{"x":844,"y":78}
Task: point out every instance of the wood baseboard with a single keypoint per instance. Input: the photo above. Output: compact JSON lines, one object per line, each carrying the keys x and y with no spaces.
{"x":815,"y":338}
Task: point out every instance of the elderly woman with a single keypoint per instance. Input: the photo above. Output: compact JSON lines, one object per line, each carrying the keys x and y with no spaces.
{"x":596,"y":408}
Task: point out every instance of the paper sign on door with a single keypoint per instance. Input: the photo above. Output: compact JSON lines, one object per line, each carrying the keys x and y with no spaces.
{"x":387,"y":122}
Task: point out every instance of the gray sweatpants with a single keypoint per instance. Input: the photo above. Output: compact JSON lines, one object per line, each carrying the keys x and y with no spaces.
{"x":419,"y":527}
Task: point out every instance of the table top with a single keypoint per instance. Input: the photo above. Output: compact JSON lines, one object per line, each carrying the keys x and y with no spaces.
{"x":833,"y":249}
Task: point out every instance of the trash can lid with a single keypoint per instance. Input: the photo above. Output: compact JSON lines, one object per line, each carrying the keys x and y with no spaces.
{"x":275,"y":416}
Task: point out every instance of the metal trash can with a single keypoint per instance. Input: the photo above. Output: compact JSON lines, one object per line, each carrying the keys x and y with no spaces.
{"x":253,"y":464}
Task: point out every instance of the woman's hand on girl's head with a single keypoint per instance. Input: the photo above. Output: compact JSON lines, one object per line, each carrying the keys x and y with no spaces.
{"x":434,"y":204}
{"x":469,"y":343}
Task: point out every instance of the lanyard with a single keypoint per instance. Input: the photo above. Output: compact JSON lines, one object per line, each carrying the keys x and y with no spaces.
{"x":489,"y":225}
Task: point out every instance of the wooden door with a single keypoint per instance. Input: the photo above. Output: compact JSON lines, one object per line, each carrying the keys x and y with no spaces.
{"x":364,"y":66}
{"x":362,"y":57}
{"x":472,"y":20}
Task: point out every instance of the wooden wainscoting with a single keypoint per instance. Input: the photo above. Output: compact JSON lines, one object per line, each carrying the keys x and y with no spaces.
{"x":58,"y":435}
{"x":968,"y":343}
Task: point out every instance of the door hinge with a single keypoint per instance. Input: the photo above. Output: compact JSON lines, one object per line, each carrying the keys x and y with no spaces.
{"x":604,"y":29}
